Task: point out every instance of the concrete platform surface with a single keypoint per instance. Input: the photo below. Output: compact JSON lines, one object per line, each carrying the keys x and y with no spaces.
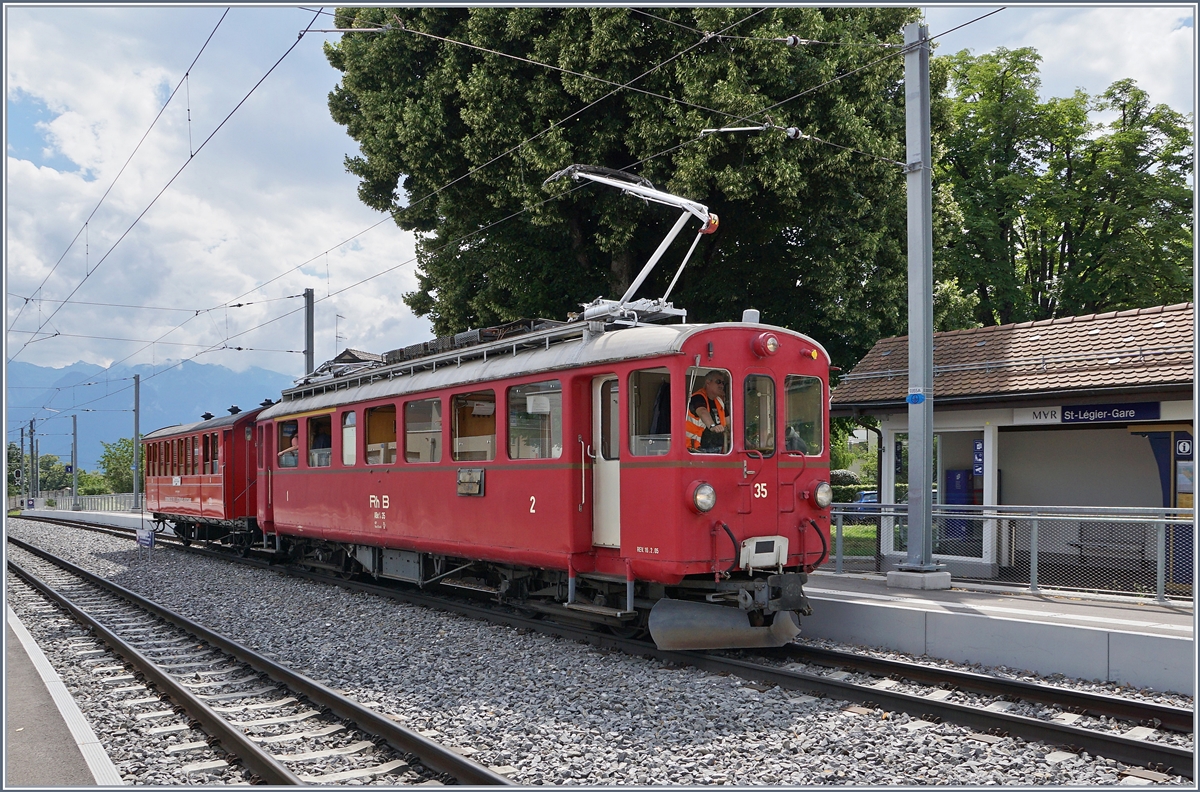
{"x":47,"y":741}
{"x":1136,"y":642}
{"x":120,"y":519}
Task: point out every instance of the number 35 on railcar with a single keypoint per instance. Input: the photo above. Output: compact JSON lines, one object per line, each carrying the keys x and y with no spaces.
{"x":664,"y":476}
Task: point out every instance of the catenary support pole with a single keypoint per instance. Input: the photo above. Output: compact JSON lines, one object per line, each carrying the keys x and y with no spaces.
{"x":74,"y":464}
{"x":309,"y":366}
{"x":137,"y":442}
{"x":33,"y":459}
{"x":920,"y":301}
{"x":21,"y":482}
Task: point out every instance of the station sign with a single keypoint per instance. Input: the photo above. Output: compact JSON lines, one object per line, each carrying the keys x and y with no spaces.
{"x":1088,"y":413}
{"x":145,"y":537}
{"x":68,"y":469}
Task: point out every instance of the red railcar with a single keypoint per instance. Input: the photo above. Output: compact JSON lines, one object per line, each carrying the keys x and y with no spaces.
{"x":558,"y":464}
{"x":202,"y":476}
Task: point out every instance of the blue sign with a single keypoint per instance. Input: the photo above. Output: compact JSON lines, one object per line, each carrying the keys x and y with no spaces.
{"x":1102,"y":413}
{"x":68,"y":468}
{"x":977,"y":469}
{"x":915,"y":398}
{"x":977,"y":446}
{"x":145,"y":537}
{"x":1183,"y":448}
{"x":30,"y":506}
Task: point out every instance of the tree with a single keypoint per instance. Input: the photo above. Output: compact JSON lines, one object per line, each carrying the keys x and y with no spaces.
{"x":15,"y":464}
{"x":117,"y":462}
{"x":455,"y":142}
{"x":92,"y":484}
{"x":52,"y":474}
{"x":1062,"y":215}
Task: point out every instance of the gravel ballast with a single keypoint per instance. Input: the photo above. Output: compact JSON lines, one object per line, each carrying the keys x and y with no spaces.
{"x":549,"y":711}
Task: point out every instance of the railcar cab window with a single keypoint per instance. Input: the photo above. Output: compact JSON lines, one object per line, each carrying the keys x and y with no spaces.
{"x":474,"y":426}
{"x":707,"y":425}
{"x":610,"y":420}
{"x":803,"y":421}
{"x":650,"y":412}
{"x":423,"y":431}
{"x":535,"y":420}
{"x":758,"y":411}
{"x":349,"y":438}
{"x":289,"y":444}
{"x":381,"y":435}
{"x":320,"y":440}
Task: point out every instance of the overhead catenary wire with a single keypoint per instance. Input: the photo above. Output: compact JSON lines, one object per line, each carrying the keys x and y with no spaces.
{"x":167,"y":186}
{"x":129,"y":159}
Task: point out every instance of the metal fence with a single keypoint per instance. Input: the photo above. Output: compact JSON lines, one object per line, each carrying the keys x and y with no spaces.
{"x":1120,"y":550}
{"x":62,"y":500}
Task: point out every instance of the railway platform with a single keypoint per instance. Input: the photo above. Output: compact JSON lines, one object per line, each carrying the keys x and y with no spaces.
{"x":1133,"y":641}
{"x":47,"y":741}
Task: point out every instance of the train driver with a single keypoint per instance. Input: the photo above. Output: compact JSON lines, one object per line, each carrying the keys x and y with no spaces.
{"x":707,"y":426}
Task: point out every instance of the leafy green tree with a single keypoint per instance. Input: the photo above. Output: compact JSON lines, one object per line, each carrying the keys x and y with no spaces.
{"x":14,"y":464}
{"x":92,"y":484}
{"x":456,"y":142}
{"x":52,"y":474}
{"x":1062,"y":215}
{"x":116,"y":462}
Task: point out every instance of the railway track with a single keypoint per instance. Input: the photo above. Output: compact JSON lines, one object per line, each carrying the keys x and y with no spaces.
{"x":269,"y":719}
{"x":874,"y":697}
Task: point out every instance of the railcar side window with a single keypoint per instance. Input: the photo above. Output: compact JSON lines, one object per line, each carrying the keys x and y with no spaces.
{"x":320,"y":440}
{"x":349,"y":437}
{"x":707,"y":427}
{"x":207,"y":455}
{"x":259,"y":448}
{"x":804,"y":421}
{"x":535,"y":420}
{"x":610,"y":419}
{"x":381,"y":435}
{"x":216,"y":457}
{"x":758,"y":413}
{"x":650,"y":412}
{"x":289,"y":444}
{"x":423,"y":431}
{"x":474,"y":426}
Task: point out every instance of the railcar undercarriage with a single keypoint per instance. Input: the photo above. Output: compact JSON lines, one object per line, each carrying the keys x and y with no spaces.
{"x":736,"y":611}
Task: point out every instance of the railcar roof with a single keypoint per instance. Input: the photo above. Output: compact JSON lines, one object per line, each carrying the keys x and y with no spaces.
{"x":631,"y":343}
{"x":199,"y":426}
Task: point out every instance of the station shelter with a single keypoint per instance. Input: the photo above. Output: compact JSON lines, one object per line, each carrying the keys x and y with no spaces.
{"x":1090,"y":410}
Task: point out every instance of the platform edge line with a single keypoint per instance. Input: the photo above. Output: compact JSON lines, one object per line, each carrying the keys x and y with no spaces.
{"x":98,"y":761}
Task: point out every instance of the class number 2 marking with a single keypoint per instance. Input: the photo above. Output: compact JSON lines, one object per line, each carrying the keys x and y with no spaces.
{"x":760,"y":490}
{"x":532,"y":504}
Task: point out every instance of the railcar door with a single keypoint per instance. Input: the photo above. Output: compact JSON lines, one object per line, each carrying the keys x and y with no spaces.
{"x":606,"y":466}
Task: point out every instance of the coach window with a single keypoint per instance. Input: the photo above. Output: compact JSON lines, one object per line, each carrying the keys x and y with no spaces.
{"x":349,"y":438}
{"x":216,"y":455}
{"x":423,"y":431}
{"x":206,"y":456}
{"x":758,"y":414}
{"x":535,"y":420}
{"x":320,"y":440}
{"x":381,"y":435}
{"x":650,"y":412}
{"x":708,"y":423}
{"x":289,"y":444}
{"x":259,"y":448}
{"x":474,"y":426}
{"x":803,"y":421}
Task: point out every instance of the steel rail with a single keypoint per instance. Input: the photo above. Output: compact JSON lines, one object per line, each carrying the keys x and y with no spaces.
{"x":1142,"y":753}
{"x":433,"y":755}
{"x":1174,"y":718}
{"x":232,"y":739}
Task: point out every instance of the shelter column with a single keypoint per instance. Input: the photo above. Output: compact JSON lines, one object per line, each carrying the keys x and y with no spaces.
{"x":887,"y":489}
{"x":991,"y":488}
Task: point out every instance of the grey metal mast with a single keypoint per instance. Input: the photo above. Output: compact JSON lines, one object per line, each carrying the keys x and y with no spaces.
{"x":137,"y":442}
{"x":74,"y":464}
{"x":309,"y":366}
{"x":920,"y":300}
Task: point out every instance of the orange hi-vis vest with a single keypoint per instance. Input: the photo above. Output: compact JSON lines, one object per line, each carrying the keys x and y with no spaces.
{"x":694,"y":427}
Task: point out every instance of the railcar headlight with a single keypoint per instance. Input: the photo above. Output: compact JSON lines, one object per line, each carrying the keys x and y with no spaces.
{"x":824,"y":495}
{"x":765,"y":344}
{"x":704,"y":497}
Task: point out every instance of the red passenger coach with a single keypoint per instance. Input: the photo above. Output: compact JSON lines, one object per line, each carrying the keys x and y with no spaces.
{"x":568,"y":464}
{"x":202,"y":476}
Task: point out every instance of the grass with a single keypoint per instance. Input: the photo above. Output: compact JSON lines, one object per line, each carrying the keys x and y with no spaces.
{"x":857,"y":540}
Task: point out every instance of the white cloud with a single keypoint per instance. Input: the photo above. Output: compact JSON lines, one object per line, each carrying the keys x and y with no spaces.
{"x":266,"y":194}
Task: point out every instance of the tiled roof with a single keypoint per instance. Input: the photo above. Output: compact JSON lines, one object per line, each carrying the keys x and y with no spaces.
{"x":1142,"y":347}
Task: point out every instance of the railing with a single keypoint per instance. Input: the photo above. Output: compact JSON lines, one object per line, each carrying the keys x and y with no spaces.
{"x":62,"y":499}
{"x":1122,"y":550}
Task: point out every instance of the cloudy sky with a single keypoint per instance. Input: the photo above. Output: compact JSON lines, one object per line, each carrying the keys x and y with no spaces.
{"x":268,"y":192}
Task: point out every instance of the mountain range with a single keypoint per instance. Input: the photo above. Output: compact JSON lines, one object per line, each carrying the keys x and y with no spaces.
{"x":104,"y":406}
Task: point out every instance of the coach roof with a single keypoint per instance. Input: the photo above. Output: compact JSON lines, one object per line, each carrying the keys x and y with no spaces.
{"x":199,"y":426}
{"x":540,"y":355}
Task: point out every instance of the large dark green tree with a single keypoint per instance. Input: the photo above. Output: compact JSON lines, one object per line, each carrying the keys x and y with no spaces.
{"x":1063,"y":214}
{"x":456,"y":142}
